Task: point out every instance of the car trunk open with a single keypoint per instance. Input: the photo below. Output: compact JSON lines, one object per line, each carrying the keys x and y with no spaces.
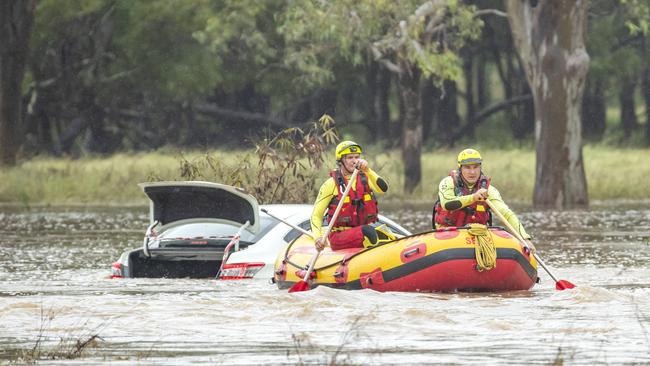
{"x":171,"y":202}
{"x":174,"y":201}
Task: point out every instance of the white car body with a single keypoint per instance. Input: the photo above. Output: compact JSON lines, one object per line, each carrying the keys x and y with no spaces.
{"x":266,"y":250}
{"x":195,"y":225}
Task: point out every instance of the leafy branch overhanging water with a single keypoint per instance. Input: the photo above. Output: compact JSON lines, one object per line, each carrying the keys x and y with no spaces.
{"x":283,"y":168}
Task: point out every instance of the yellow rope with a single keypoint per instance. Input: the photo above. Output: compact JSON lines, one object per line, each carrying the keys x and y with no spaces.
{"x":486,"y":253}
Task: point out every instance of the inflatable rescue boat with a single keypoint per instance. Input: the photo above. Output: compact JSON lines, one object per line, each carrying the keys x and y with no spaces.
{"x":443,"y":260}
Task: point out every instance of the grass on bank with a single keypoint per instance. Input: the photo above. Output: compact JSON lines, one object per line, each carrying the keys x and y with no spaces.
{"x":612,"y":173}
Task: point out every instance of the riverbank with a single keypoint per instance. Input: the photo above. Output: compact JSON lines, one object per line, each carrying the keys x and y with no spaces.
{"x":612,"y":174}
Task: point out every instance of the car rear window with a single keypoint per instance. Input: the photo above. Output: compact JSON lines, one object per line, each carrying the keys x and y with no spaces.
{"x":211,"y":229}
{"x":293,"y":234}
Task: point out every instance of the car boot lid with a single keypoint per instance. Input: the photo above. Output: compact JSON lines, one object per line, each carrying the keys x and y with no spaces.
{"x":173,"y":201}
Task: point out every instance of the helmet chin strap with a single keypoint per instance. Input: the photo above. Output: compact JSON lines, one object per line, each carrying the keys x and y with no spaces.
{"x":345,"y":168}
{"x":348,"y":172}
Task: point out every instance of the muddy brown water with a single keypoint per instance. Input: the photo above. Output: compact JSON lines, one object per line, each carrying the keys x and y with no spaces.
{"x":55,"y":292}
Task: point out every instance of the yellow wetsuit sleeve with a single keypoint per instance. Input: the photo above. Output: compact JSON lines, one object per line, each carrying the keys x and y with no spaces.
{"x":372,"y":181}
{"x":326,"y":192}
{"x":499,"y":204}
{"x":447,"y":195}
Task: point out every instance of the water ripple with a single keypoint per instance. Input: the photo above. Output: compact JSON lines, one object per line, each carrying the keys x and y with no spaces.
{"x":54,"y":264}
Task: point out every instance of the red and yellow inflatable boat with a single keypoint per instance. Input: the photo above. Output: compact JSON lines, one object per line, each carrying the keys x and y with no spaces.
{"x":442,"y":260}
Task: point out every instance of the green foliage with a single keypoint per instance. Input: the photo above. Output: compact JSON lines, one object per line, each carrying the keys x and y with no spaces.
{"x":52,"y":15}
{"x":145,"y":67}
{"x":426,"y":34}
{"x":439,"y":58}
{"x":241,"y":35}
{"x":158,"y":50}
{"x":610,"y":174}
{"x":286,"y":166}
{"x":638,"y":16}
{"x":616,"y":37}
{"x":150,"y":45}
{"x":89,"y":180}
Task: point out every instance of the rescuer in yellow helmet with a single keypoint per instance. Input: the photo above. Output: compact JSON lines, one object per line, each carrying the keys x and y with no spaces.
{"x":462,"y":194}
{"x":352,"y":228}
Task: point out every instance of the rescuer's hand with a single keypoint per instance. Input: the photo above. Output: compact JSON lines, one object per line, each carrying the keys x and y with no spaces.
{"x":320,"y":244}
{"x":480,"y":195}
{"x":530,"y":245}
{"x":362,"y":165}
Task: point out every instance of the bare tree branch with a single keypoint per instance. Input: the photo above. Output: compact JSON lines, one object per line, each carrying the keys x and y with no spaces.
{"x":486,"y":112}
{"x":490,"y":12}
{"x":379,"y":57}
{"x":259,"y":118}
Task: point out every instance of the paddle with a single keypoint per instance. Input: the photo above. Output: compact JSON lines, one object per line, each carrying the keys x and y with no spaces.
{"x":559,"y":284}
{"x":311,"y":235}
{"x":303,"y":285}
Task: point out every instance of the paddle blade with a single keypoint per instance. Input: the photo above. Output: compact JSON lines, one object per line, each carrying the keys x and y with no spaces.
{"x":563,"y":285}
{"x":299,"y":287}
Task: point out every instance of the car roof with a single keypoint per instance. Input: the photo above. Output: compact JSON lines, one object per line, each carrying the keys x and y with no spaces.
{"x":286,"y":211}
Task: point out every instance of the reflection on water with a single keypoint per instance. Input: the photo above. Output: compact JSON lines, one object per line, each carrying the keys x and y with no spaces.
{"x":54,"y":264}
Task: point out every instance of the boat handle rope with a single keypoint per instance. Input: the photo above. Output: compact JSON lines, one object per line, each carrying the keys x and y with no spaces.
{"x":305,"y":267}
{"x":410,"y":252}
{"x":339,"y":262}
{"x":486,"y":253}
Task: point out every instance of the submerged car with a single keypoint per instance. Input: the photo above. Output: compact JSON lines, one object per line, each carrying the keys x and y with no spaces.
{"x":203,"y":229}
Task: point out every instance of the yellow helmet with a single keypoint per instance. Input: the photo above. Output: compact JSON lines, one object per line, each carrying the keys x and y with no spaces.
{"x":347,"y":147}
{"x":469,"y":157}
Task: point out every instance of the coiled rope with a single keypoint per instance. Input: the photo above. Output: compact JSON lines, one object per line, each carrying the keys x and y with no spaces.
{"x":486,"y":253}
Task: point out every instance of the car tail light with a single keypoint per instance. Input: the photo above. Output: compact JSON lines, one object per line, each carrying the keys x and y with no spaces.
{"x":116,"y":270}
{"x":239,"y":271}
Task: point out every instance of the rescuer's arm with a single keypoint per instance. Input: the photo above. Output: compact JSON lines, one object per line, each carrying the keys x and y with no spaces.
{"x":325,"y":194}
{"x":499,"y":204}
{"x":448,"y":198}
{"x":376,"y":183}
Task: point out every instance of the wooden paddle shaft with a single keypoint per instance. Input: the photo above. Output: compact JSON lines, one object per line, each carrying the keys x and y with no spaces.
{"x":311,"y":235}
{"x":518,"y":236}
{"x":340,"y":205}
{"x":332,"y":221}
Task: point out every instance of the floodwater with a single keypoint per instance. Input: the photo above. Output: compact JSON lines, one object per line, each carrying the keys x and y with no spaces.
{"x":55,"y":295}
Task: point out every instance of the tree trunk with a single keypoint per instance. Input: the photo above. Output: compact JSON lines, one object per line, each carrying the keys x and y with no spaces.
{"x":468,"y":69}
{"x":629,"y":122}
{"x":526,"y":114}
{"x":192,"y":135}
{"x":411,"y":142}
{"x":16,"y":19}
{"x":430,"y":96}
{"x":381,"y":104}
{"x":448,"y":119}
{"x":397,"y":129}
{"x":522,"y":119}
{"x":505,"y":73}
{"x":371,"y":120}
{"x":550,"y":40}
{"x":482,"y":82}
{"x":594,"y":110}
{"x":646,"y":98}
{"x":378,"y":112}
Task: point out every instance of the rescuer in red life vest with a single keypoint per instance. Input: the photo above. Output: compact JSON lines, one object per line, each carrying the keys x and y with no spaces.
{"x":462,"y":194}
{"x":352,"y":228}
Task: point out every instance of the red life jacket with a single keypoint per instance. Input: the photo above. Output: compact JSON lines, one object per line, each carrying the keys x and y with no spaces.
{"x":359,"y":207}
{"x":478,"y":212}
